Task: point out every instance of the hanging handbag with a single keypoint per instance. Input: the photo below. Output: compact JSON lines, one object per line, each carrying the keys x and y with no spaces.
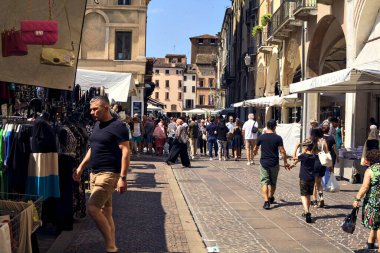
{"x":11,"y":43}
{"x":59,"y":56}
{"x":39,"y":32}
{"x":349,"y":222}
{"x":325,"y":158}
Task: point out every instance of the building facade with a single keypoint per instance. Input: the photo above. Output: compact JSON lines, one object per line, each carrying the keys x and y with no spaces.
{"x":168,"y":77}
{"x":237,"y":54}
{"x":204,"y":50}
{"x":114,"y":39}
{"x":315,"y":41}
{"x":189,"y":87}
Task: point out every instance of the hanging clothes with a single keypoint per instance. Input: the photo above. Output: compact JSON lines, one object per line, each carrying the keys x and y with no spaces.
{"x":43,"y":177}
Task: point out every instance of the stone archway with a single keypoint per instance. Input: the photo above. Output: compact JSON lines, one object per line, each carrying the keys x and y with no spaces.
{"x":260,"y":76}
{"x":328,"y":45}
{"x":272,"y":71}
{"x":292,"y":61}
{"x":364,"y":16}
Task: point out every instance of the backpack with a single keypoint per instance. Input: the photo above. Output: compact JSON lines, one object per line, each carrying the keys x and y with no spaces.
{"x":254,"y":129}
{"x":195,"y":130}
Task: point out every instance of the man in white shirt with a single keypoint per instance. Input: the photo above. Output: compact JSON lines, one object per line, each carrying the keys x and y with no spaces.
{"x":249,"y":137}
{"x":230,"y":125}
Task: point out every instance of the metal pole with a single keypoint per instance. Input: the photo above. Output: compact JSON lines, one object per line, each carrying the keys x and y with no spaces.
{"x":303,"y":74}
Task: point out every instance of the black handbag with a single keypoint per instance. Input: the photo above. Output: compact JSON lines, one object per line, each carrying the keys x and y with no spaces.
{"x":349,"y":222}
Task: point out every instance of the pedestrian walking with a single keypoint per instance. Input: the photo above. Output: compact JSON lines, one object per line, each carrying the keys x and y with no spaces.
{"x":221,"y":137}
{"x":172,"y":127}
{"x":108,"y":159}
{"x":230,"y":125}
{"x":270,"y":144}
{"x":371,"y":143}
{"x":211,"y":137}
{"x":149,"y":127}
{"x":250,"y":137}
{"x":202,"y":138}
{"x":193,"y":131}
{"x":237,"y":139}
{"x":307,"y":158}
{"x":370,"y":190}
{"x":331,"y":146}
{"x":339,"y":135}
{"x":137,"y":135}
{"x":159,"y":135}
{"x":179,"y":146}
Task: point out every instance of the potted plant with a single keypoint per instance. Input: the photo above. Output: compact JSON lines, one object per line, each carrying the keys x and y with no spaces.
{"x":256,"y":29}
{"x":265,"y":19}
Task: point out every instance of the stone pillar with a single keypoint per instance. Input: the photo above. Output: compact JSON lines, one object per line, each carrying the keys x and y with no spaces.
{"x":268,"y":114}
{"x":285,"y":115}
{"x":311,"y":111}
{"x":356,"y":125}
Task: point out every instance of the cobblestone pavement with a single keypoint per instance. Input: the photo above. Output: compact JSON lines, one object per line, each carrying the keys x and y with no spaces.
{"x":224,"y":198}
{"x":147,"y":218}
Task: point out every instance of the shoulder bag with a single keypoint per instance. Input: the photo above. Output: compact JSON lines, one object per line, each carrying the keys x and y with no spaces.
{"x":254,"y":129}
{"x":11,"y":43}
{"x":349,"y":222}
{"x":39,"y":32}
{"x":325,"y":158}
{"x":59,"y":56}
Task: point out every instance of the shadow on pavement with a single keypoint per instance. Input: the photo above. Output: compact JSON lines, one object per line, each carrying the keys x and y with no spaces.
{"x":144,"y":181}
{"x":282,"y":203}
{"x":340,"y":215}
{"x":348,"y":207}
{"x":139,"y":219}
{"x":349,"y":190}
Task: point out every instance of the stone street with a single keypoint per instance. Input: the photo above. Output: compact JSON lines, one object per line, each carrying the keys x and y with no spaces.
{"x":225,"y":200}
{"x":226,"y":205}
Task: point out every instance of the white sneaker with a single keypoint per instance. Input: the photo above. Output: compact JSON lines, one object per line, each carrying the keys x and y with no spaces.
{"x":248,"y":163}
{"x":210,"y":158}
{"x":252,"y":162}
{"x":193,"y":157}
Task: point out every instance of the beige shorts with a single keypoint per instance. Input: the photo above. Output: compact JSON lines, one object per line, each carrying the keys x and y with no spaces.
{"x":102,"y":186}
{"x":250,"y":144}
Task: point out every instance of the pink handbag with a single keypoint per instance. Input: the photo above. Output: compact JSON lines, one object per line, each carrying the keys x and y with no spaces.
{"x":11,"y":44}
{"x":39,"y":32}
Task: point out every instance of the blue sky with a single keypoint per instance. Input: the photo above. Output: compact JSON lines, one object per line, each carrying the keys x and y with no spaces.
{"x":172,"y":22}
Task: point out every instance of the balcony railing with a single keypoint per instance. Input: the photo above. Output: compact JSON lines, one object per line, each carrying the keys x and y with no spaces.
{"x":281,"y":16}
{"x":262,"y":43}
{"x":305,"y":8}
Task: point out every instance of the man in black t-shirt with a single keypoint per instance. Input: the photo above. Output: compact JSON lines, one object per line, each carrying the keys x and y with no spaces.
{"x":270,"y":144}
{"x":108,"y":159}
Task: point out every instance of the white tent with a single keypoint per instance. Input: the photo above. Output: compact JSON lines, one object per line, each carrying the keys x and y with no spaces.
{"x":117,"y":85}
{"x":197,"y":111}
{"x":268,"y":101}
{"x":151,"y":107}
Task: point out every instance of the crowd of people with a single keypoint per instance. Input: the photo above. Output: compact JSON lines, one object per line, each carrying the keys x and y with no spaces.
{"x":221,"y":139}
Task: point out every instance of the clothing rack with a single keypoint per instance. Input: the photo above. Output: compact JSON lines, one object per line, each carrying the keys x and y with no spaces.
{"x":14,"y":119}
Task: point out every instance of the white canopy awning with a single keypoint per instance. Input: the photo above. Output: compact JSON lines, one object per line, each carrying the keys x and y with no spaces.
{"x":362,"y":76}
{"x":268,"y":101}
{"x":116,"y":84}
{"x":151,"y":107}
{"x":197,"y":111}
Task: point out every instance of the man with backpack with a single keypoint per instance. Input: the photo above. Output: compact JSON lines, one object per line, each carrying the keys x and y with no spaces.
{"x":193,"y":132}
{"x":250,"y":131}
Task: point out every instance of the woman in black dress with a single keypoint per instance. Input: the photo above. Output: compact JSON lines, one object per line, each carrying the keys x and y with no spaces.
{"x":237,"y":139}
